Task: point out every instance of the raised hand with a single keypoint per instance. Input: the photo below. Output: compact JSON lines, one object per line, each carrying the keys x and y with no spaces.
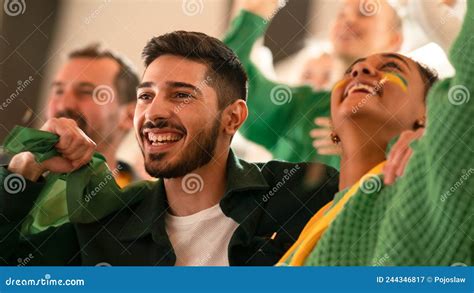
{"x":400,"y":155}
{"x":75,"y":147}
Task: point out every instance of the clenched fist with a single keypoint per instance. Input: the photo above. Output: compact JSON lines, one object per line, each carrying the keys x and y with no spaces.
{"x":75,"y":147}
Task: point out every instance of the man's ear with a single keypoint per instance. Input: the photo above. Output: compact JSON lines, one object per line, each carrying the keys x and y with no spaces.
{"x":234,"y":116}
{"x":126,"y":116}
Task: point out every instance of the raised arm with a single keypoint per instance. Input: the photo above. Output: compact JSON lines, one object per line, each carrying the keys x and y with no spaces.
{"x":437,"y":189}
{"x":271,"y":105}
{"x":449,"y":138}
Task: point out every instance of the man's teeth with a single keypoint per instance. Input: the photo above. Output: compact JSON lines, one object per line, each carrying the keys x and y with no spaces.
{"x":163,"y":138}
{"x":361,"y":86}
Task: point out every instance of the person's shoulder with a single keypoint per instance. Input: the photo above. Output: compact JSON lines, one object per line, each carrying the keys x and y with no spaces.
{"x":297,"y":190}
{"x":301,"y":173}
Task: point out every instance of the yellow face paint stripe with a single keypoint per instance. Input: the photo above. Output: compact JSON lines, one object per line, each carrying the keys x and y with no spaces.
{"x":397,"y":79}
{"x":340,"y":83}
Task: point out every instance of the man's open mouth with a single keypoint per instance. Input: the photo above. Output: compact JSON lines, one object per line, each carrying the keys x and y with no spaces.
{"x":162,"y":137}
{"x":360,"y":87}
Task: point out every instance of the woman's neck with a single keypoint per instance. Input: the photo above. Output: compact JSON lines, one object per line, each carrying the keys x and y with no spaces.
{"x":358,"y":157}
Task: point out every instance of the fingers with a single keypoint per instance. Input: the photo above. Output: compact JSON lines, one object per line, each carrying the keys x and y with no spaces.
{"x":393,"y":163}
{"x":329,"y":151}
{"x":324,"y":142}
{"x":325,"y":146}
{"x":403,"y":163}
{"x":323,"y":122}
{"x":322,"y":137}
{"x":86,"y":158}
{"x":74,"y":145}
{"x":394,"y":158}
{"x":399,"y":155}
{"x":320,"y":132}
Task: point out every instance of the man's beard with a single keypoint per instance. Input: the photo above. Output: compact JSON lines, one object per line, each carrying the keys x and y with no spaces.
{"x":76,"y":116}
{"x":197,"y":154}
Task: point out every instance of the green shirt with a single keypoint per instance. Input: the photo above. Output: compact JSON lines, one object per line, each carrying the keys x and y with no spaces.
{"x":280,"y":117}
{"x":427,"y":216}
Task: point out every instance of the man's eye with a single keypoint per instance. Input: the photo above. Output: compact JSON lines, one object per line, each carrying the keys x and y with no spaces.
{"x":183,"y":95}
{"x":391,"y":65}
{"x":144,"y":96}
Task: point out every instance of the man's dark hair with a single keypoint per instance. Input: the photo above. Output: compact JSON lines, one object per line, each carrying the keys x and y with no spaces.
{"x":225,"y":72}
{"x":126,"y":80}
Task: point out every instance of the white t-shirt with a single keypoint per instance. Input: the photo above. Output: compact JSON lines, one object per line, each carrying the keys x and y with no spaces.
{"x":201,"y":239}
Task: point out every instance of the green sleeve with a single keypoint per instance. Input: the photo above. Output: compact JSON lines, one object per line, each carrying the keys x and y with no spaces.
{"x":449,"y":140}
{"x":91,"y":191}
{"x":430,"y":218}
{"x":266,"y":120}
{"x":280,"y":116}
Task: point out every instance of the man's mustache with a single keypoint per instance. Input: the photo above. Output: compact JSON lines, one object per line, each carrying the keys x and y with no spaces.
{"x":162,"y":123}
{"x":76,"y":116}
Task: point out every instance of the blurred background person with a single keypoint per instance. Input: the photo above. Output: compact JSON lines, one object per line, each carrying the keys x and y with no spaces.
{"x":283,"y":126}
{"x":97,"y":89}
{"x":360,"y":28}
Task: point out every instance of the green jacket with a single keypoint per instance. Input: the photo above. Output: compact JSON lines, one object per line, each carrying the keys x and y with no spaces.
{"x":427,"y":217}
{"x":280,"y":116}
{"x":127,"y":226}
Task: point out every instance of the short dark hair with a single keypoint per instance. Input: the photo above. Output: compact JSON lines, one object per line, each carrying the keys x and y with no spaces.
{"x":428,"y":75}
{"x":126,"y":80}
{"x":226,"y":73}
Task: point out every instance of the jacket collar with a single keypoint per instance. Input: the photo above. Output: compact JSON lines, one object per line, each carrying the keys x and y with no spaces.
{"x":149,"y":216}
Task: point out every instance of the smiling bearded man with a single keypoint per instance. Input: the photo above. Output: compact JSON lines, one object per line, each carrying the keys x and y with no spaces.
{"x":207,"y":208}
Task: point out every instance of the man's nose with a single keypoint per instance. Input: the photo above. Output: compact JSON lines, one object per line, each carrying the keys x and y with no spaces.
{"x":68,"y":101}
{"x":362,"y":68}
{"x":160,"y":108}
